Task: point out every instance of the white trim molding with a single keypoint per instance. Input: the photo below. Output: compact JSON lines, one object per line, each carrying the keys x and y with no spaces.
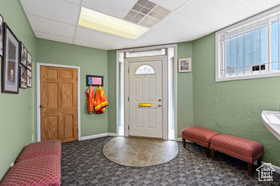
{"x":38,"y":118}
{"x":121,"y":81}
{"x":263,"y":20}
{"x":97,"y":136}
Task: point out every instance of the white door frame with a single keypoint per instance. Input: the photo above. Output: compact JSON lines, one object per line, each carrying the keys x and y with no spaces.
{"x":38,"y":92}
{"x":174,"y":80}
{"x":164,"y":89}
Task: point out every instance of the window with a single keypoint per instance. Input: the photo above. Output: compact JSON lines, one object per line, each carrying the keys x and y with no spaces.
{"x":146,"y":53}
{"x":145,"y":69}
{"x":249,"y":49}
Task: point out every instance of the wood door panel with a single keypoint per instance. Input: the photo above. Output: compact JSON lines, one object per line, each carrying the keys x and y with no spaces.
{"x":52,"y":75}
{"x":52,"y":98}
{"x":50,"y":123}
{"x":67,"y":101}
{"x":69,"y":131}
{"x":59,"y":103}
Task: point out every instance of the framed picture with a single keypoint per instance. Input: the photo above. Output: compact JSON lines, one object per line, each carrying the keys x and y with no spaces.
{"x":23,"y":76}
{"x":29,"y":78}
{"x":185,"y":65}
{"x":94,"y":80}
{"x":23,"y":55}
{"x":29,"y":61}
{"x":10,"y":70}
{"x":1,"y":34}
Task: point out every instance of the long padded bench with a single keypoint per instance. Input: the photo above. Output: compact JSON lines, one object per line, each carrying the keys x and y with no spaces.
{"x":39,"y":164}
{"x":237,"y":147}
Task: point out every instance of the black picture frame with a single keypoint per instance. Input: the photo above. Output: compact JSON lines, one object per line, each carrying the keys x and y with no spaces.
{"x":23,"y":54}
{"x":1,"y":35}
{"x":29,"y":78}
{"x":29,"y":61}
{"x":89,"y":81}
{"x":23,"y":76}
{"x":10,"y":67}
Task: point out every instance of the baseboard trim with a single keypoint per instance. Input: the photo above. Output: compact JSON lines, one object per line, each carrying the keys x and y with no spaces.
{"x":97,"y":136}
{"x":179,"y":139}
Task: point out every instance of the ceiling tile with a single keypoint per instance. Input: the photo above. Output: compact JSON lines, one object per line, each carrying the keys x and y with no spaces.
{"x":105,"y":41}
{"x":59,"y":10}
{"x":44,"y":25}
{"x":77,"y":2}
{"x":170,"y":4}
{"x":53,"y":37}
{"x":187,"y":21}
{"x":117,"y":8}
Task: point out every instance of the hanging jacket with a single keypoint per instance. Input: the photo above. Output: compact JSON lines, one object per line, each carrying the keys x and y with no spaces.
{"x":90,"y":99}
{"x":101,"y":101}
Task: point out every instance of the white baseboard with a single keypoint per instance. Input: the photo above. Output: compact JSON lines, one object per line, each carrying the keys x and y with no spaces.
{"x":179,"y":139}
{"x":97,"y":136}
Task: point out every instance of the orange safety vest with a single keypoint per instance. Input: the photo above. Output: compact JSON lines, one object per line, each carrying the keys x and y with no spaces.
{"x":101,"y":101}
{"x":90,"y":99}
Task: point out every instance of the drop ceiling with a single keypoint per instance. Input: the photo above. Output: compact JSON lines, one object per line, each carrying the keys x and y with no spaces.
{"x":188,"y":20}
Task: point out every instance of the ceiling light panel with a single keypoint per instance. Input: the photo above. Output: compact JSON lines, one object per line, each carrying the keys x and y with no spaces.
{"x":146,"y":13}
{"x":110,"y":25}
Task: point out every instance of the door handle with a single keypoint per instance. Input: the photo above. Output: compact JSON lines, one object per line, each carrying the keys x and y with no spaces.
{"x":41,"y":106}
{"x":145,"y":105}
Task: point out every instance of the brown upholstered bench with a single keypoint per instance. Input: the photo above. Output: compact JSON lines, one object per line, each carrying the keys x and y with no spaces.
{"x":240,"y":148}
{"x":198,"y":135}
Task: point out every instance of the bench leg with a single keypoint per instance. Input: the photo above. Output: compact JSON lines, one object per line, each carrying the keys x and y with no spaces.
{"x":213,"y":154}
{"x":184,"y":142}
{"x":208,"y":152}
{"x":250,"y":169}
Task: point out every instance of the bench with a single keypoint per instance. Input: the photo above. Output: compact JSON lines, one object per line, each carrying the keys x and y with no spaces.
{"x":39,"y":164}
{"x":198,"y":135}
{"x":244,"y":149}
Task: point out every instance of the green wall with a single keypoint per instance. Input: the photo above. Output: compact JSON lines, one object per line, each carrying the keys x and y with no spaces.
{"x":112,"y":111}
{"x":91,"y":61}
{"x":184,"y":91}
{"x":233,"y":107}
{"x":17,"y":110}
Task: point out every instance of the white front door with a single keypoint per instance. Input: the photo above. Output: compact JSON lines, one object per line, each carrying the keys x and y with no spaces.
{"x":146,"y":94}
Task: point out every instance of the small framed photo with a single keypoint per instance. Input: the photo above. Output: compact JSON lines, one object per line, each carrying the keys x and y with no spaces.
{"x":29,"y":61}
{"x":96,"y":81}
{"x":23,"y":55}
{"x":185,"y":65}
{"x":29,"y":78}
{"x":10,"y":70}
{"x":1,"y":35}
{"x":23,"y":76}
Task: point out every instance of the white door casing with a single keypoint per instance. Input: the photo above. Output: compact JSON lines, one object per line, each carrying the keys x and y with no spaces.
{"x":150,"y":88}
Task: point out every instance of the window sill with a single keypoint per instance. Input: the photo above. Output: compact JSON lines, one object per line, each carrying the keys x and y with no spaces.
{"x":247,"y":77}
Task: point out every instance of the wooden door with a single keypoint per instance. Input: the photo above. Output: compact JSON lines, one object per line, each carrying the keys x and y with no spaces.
{"x":58,"y":103}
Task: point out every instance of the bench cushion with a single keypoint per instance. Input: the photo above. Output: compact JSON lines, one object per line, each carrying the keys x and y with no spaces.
{"x":40,"y":149}
{"x":201,"y":136}
{"x":241,"y":148}
{"x":40,"y":171}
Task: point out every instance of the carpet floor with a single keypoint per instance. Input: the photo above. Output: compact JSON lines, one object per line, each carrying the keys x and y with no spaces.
{"x":83,"y":164}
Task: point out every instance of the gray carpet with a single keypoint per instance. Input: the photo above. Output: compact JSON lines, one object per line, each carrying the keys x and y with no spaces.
{"x":83,"y":163}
